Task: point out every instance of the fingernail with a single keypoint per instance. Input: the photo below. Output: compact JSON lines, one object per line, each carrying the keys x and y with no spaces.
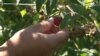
{"x":51,"y":20}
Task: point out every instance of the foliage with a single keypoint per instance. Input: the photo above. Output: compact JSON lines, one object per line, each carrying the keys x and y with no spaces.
{"x":74,"y":13}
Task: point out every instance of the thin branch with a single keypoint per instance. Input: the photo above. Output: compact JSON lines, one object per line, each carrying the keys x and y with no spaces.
{"x":22,"y":4}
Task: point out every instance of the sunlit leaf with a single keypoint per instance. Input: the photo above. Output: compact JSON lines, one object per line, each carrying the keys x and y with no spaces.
{"x":23,"y":12}
{"x":1,"y":9}
{"x":93,"y":50}
{"x":88,"y":3}
{"x":83,"y":54}
{"x":65,"y":53}
{"x":0,"y":1}
{"x":85,"y":50}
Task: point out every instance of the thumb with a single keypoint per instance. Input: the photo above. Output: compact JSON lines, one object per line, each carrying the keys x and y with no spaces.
{"x":63,"y":34}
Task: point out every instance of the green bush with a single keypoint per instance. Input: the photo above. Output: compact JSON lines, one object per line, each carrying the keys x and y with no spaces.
{"x":17,"y":14}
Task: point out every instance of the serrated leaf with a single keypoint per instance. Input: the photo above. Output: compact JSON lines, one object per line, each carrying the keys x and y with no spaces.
{"x":23,"y":12}
{"x":39,"y":3}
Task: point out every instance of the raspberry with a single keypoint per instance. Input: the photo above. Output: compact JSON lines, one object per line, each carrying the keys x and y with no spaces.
{"x":57,"y":20}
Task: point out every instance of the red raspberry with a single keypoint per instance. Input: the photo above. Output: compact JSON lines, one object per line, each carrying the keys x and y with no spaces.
{"x":57,"y":20}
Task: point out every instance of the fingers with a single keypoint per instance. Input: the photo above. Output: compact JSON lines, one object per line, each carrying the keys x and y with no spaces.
{"x":63,"y":34}
{"x":55,"y":40}
{"x":59,"y":38}
{"x":46,"y":25}
{"x":40,"y":27}
{"x":53,"y":29}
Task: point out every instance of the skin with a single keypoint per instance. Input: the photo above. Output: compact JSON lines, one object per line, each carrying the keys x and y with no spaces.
{"x":34,"y":41}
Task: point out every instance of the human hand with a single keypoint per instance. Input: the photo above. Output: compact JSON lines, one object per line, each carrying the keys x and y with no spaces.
{"x":35,"y":40}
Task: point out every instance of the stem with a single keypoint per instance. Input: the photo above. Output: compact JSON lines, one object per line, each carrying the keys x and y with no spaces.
{"x":16,"y":4}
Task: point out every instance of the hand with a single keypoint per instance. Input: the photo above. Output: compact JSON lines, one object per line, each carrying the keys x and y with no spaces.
{"x":35,"y":41}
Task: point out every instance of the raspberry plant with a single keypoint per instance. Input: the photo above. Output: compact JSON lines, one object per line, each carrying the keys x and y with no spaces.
{"x":82,"y":17}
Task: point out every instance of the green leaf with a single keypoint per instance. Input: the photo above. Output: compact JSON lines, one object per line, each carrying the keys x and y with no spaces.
{"x":9,"y":7}
{"x":83,"y":54}
{"x":66,"y":21}
{"x":93,"y":51}
{"x":61,"y":1}
{"x":9,"y":1}
{"x":50,"y":5}
{"x":65,"y":53}
{"x":2,"y":21}
{"x":75,"y":1}
{"x":39,"y":3}
{"x":85,"y":50}
{"x":36,"y":18}
{"x":97,"y":8}
{"x":17,"y":2}
{"x":1,"y":9}
{"x":23,"y":12}
{"x":1,"y":31}
{"x":78,"y":8}
{"x":88,"y":3}
{"x":27,"y":1}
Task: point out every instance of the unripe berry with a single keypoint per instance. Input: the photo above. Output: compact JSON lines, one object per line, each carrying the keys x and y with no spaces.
{"x":41,"y":12}
{"x":42,"y":16}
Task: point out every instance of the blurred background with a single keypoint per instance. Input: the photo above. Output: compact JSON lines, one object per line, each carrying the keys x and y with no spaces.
{"x":18,"y":14}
